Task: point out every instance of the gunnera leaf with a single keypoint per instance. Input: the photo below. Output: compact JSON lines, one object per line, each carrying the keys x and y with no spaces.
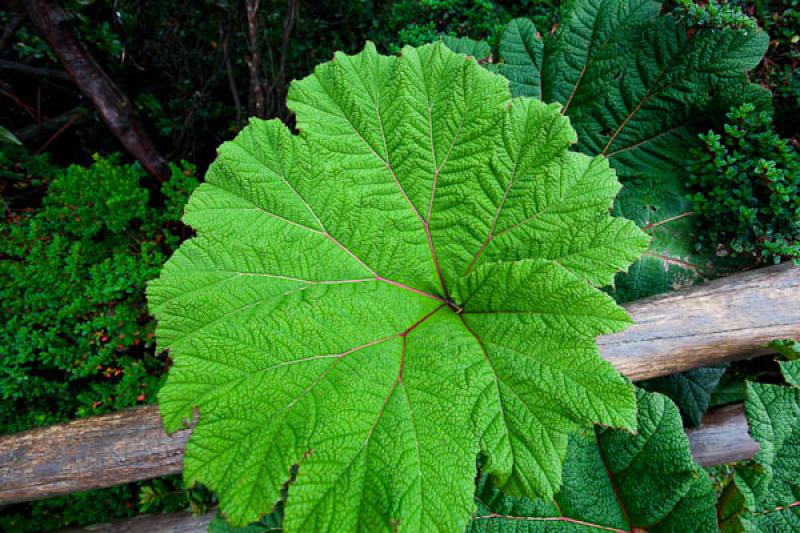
{"x":270,"y":523}
{"x":691,"y":391}
{"x":480,"y":50}
{"x":616,"y":481}
{"x":393,"y":291}
{"x":765,"y":494}
{"x":791,"y":372}
{"x":639,"y":86}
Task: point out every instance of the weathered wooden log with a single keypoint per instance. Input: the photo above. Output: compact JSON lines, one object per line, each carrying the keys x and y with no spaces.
{"x":91,"y":453}
{"x":723,"y":437}
{"x":182,"y":522}
{"x":723,"y":320}
{"x":727,"y":319}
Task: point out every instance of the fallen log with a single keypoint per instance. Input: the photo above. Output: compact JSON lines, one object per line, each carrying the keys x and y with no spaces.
{"x":731,"y":318}
{"x":721,"y":439}
{"x":91,"y":453}
{"x":724,"y":320}
{"x":182,"y":522}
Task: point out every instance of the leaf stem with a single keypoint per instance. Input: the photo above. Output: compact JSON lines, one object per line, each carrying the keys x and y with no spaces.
{"x":416,"y":324}
{"x":412,"y":289}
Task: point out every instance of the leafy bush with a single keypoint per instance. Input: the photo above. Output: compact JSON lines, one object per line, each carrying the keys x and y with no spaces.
{"x":74,"y":323}
{"x":391,"y":291}
{"x":411,"y":22}
{"x":780,"y":72}
{"x":414,"y":23}
{"x":715,"y":15}
{"x":747,"y":189}
{"x":75,"y":333}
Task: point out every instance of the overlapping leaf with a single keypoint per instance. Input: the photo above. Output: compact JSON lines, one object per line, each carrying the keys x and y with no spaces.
{"x":480,"y":50}
{"x":389,"y":293}
{"x":637,"y":86}
{"x":765,"y":495}
{"x":616,"y":481}
{"x":691,"y":391}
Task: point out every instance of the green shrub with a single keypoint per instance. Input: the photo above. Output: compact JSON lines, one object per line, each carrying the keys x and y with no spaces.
{"x":747,"y":189}
{"x":75,"y":333}
{"x":415,"y":23}
{"x":781,"y":19}
{"x":715,"y":15}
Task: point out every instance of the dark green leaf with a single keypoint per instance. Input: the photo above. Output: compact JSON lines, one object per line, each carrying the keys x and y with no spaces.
{"x":691,"y":391}
{"x":636,"y":85}
{"x":617,"y":481}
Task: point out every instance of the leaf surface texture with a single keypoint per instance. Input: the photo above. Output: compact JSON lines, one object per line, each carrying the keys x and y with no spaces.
{"x":615,"y":481}
{"x":391,"y":293}
{"x":638,"y":87}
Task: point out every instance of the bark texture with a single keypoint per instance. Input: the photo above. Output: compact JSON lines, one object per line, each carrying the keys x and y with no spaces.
{"x":112,"y":104}
{"x":723,"y":320}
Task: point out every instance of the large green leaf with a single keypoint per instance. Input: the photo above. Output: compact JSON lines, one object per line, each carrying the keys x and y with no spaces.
{"x":660,"y":208}
{"x":638,"y":87}
{"x":7,"y":137}
{"x":791,"y":372}
{"x":480,"y":50}
{"x":616,"y":481}
{"x":765,"y":495}
{"x":691,"y":391}
{"x":388,"y":294}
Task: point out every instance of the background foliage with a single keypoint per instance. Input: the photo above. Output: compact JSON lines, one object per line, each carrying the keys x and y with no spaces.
{"x":81,"y":234}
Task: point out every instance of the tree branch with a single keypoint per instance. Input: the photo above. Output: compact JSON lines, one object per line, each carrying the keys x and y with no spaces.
{"x":112,"y":104}
{"x":292,"y":10}
{"x":38,"y":133}
{"x":231,"y":78}
{"x":36,"y":72}
{"x":257,"y":98}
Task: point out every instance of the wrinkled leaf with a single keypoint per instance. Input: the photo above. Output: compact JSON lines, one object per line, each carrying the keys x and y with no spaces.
{"x":791,"y":372}
{"x":390,"y":292}
{"x":270,"y":523}
{"x":480,"y":50}
{"x":765,"y":494}
{"x":617,"y":481}
{"x":691,"y":391}
{"x":638,"y":86}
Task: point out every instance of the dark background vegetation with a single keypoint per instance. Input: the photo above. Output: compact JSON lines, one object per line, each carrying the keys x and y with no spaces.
{"x":161,"y":85}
